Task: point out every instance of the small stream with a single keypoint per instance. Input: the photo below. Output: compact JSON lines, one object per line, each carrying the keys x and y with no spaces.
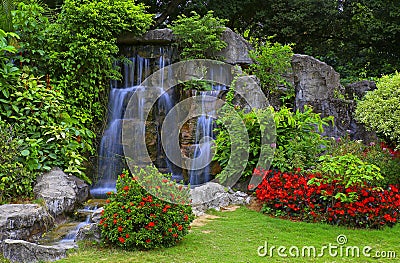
{"x":67,"y":231}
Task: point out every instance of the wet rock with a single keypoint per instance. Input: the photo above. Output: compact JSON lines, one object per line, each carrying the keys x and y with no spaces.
{"x":23,"y":251}
{"x":62,"y":193}
{"x":90,"y":232}
{"x":24,"y":221}
{"x":156,"y":36}
{"x":96,"y":216}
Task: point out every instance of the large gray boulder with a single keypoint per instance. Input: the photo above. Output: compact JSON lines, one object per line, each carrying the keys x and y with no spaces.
{"x":23,"y":251}
{"x":24,"y":221}
{"x":318,"y":84}
{"x":236,"y":51}
{"x":214,"y":196}
{"x":62,"y":193}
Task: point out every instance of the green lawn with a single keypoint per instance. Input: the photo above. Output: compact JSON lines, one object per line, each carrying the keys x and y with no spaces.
{"x":236,"y":236}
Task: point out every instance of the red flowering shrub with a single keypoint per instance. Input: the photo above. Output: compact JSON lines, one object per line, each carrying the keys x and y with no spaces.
{"x":133,"y":218}
{"x":291,"y":195}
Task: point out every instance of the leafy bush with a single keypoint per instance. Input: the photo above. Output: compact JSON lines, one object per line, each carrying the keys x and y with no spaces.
{"x":271,"y":61}
{"x":230,"y":141}
{"x":297,"y":139}
{"x":9,"y":73}
{"x":199,"y":37}
{"x":379,"y":110}
{"x":298,"y":144}
{"x":290,"y":195}
{"x":31,"y":23}
{"x":84,"y":49}
{"x":15,"y":179}
{"x":348,"y":170}
{"x":39,"y":114}
{"x":378,"y":154}
{"x":133,"y":218}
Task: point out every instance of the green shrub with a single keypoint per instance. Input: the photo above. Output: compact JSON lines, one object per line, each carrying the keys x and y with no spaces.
{"x":31,"y":23}
{"x":51,"y":138}
{"x":230,"y":142}
{"x":379,"y":110}
{"x":133,"y":218}
{"x":199,"y":37}
{"x":298,"y":139}
{"x":9,"y":73}
{"x":271,"y":61}
{"x":15,"y":179}
{"x":373,"y":154}
{"x":348,"y":170}
{"x":298,"y":143}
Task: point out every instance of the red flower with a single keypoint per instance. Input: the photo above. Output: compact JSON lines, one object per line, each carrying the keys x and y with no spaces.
{"x":169,"y":229}
{"x":122,"y":175}
{"x":120,"y":228}
{"x":175,"y":235}
{"x":126,"y":188}
{"x":165,"y":209}
{"x":148,"y":240}
{"x":127,"y":235}
{"x":115,"y":221}
{"x":151,"y":224}
{"x":186,"y":217}
{"x":121,"y":239}
{"x":180,"y":227}
{"x":108,"y":201}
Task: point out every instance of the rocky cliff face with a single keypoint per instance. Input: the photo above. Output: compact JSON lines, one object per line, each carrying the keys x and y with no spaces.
{"x":318,"y":84}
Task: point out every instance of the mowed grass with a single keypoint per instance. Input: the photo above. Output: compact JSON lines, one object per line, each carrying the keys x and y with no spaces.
{"x":235,"y":236}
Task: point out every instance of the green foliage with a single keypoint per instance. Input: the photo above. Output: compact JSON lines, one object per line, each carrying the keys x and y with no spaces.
{"x":230,"y":142}
{"x":298,"y":142}
{"x":84,"y":40}
{"x":6,"y":6}
{"x":379,"y":110}
{"x":39,"y":113}
{"x":9,"y":73}
{"x":271,"y":61}
{"x":348,"y":170}
{"x":199,"y":37}
{"x":135,"y":219}
{"x":15,"y":179}
{"x":371,"y":154}
{"x":31,"y":23}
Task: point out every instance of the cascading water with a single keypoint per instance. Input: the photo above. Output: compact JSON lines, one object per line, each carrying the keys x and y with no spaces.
{"x":111,"y":156}
{"x":200,"y":174}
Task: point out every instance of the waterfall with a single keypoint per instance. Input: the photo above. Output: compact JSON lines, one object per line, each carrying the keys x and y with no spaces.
{"x":111,"y":160}
{"x":200,"y":174}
